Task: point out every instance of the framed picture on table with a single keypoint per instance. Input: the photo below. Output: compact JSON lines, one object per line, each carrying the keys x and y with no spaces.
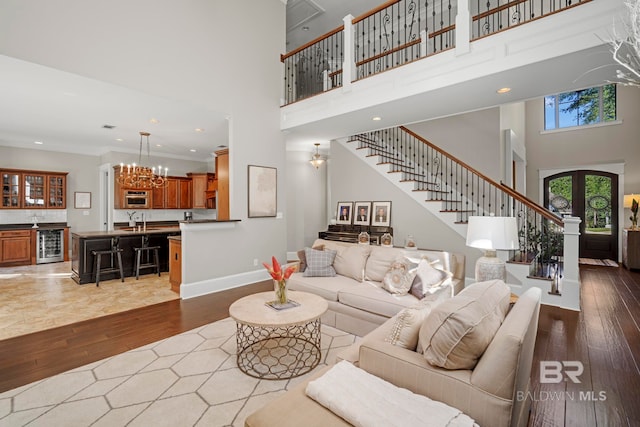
{"x":344,"y":213}
{"x":381,"y":212}
{"x":362,"y":213}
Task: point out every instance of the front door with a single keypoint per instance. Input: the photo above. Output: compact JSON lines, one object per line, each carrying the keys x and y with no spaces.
{"x":590,"y":195}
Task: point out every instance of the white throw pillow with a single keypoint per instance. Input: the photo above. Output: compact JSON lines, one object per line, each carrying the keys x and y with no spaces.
{"x":428,"y":278}
{"x":457,"y":331}
{"x":406,"y":326}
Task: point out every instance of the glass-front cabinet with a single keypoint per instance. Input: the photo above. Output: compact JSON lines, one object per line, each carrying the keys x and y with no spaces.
{"x":23,"y":189}
{"x":11,"y":189}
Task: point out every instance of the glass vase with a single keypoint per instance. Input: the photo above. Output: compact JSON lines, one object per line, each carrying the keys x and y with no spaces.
{"x":280,"y":287}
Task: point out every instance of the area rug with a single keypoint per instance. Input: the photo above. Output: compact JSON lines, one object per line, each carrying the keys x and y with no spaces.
{"x":189,"y":379}
{"x":602,"y":262}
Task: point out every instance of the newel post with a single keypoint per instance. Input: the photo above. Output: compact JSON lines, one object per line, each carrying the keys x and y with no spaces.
{"x":349,"y":64}
{"x":571,"y":276}
{"x":463,"y":27}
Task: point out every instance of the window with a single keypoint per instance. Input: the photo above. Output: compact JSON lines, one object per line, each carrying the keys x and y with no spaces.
{"x":580,"y":108}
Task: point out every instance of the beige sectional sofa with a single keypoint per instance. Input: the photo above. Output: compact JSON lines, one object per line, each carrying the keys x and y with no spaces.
{"x":357,"y":301}
{"x":494,"y":392}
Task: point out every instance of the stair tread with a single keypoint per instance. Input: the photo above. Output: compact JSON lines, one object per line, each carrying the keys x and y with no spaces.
{"x":456,"y":210}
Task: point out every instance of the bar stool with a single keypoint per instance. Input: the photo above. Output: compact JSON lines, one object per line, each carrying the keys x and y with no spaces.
{"x":115,"y":250}
{"x":146,"y":249}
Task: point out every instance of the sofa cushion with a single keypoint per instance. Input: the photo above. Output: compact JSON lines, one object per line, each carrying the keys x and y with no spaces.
{"x":350,"y":261}
{"x":319,"y":263}
{"x":369,"y":296}
{"x":379,"y":262}
{"x":406,"y":325}
{"x":428,"y":278}
{"x":457,"y":331}
{"x":326,"y":287}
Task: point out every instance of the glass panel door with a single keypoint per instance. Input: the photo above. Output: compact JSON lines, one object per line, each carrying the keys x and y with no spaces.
{"x":10,"y":190}
{"x":34,"y":191}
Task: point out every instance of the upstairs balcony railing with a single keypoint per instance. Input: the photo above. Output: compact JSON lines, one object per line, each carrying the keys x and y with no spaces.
{"x":399,"y":32}
{"x":464,"y":191}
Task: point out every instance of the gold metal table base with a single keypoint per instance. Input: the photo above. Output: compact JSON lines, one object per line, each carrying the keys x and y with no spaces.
{"x":278,"y":352}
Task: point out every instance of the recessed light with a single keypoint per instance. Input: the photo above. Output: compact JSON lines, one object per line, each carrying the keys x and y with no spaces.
{"x":376,"y":119}
{"x":119,"y":139}
{"x":193,"y":150}
{"x":154,"y":121}
{"x":504,"y":90}
{"x":305,"y":28}
{"x":158,"y":145}
{"x":38,"y":142}
{"x":199,"y":130}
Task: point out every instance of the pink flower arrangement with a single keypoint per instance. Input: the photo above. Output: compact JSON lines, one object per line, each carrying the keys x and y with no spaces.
{"x":276,"y":271}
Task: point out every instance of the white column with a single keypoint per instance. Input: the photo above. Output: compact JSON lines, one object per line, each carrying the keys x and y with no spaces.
{"x":463,"y":27}
{"x":571,"y":279}
{"x":349,"y":64}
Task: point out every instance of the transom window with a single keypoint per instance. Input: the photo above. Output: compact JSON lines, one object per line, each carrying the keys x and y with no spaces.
{"x":580,"y":108}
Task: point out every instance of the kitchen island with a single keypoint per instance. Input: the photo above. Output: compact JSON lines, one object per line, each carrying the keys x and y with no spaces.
{"x":83,"y":243}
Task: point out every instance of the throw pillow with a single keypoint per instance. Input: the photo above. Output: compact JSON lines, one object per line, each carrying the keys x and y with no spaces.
{"x":319,"y":263}
{"x":406,"y":326}
{"x":399,"y":278}
{"x":457,"y":331}
{"x":427,"y":279}
{"x":350,"y":261}
{"x":303,"y":258}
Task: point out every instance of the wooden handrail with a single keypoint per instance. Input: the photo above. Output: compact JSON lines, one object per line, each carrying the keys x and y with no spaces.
{"x":311,"y":43}
{"x":389,"y":52}
{"x":497,"y":9}
{"x":335,"y":73}
{"x":374,"y":11}
{"x":529,"y":203}
{"x":442,"y":31}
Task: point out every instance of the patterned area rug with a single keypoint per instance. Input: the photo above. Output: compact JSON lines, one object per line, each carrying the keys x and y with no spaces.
{"x":190,"y":379}
{"x":603,"y":262}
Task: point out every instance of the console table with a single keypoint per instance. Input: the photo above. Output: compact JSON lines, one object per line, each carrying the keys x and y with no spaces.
{"x":631,"y":248}
{"x":349,"y":233}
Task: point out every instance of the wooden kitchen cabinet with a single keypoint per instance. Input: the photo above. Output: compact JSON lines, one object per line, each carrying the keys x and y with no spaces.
{"x":175,"y":263}
{"x":631,"y":248}
{"x":222,"y":182}
{"x":25,"y":189}
{"x":201,"y":182}
{"x":15,"y":247}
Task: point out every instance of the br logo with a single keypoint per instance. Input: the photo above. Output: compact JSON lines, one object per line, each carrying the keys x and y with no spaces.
{"x":553,"y":372}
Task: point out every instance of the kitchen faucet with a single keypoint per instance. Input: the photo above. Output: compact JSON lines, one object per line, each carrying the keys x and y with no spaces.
{"x":144,"y":223}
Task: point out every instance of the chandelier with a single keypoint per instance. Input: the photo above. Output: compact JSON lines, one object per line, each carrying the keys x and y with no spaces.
{"x":317,"y":160}
{"x":138,"y":176}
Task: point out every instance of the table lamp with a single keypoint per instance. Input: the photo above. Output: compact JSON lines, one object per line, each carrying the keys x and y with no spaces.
{"x":492,"y":233}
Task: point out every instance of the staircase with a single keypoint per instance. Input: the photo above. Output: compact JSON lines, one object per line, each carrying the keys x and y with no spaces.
{"x":453,"y":191}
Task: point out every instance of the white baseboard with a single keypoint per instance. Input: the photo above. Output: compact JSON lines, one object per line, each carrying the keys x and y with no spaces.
{"x":204,"y":287}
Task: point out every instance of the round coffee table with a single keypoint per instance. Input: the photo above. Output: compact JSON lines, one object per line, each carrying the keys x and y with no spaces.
{"x":278,"y":344}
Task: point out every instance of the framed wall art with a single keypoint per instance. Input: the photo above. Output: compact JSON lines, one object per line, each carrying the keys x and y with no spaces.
{"x":344,"y":213}
{"x":362,"y":212}
{"x":381,"y":214}
{"x":263,"y":185}
{"x":82,"y":200}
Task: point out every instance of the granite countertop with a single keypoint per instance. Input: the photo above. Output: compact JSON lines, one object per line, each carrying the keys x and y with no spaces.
{"x":29,"y":226}
{"x":205,"y":221}
{"x":127,"y":232}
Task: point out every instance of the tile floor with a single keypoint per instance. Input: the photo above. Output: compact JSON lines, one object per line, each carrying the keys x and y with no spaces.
{"x":38,"y":297}
{"x":190,"y":379}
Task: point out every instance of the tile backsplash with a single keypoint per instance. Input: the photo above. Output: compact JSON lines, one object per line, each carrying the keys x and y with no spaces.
{"x":30,"y":216}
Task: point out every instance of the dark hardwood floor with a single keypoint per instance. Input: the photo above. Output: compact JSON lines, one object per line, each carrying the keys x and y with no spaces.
{"x":604,"y":337}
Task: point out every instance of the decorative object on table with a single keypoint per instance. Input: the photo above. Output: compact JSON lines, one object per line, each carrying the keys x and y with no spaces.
{"x":362,"y":213}
{"x":631,"y":202}
{"x":364,"y":238}
{"x":82,"y":200}
{"x":386,"y":240}
{"x":381,"y":212}
{"x":316,"y":160}
{"x":410,"y":243}
{"x":280,"y":278}
{"x":344,"y":213}
{"x":132,"y":221}
{"x":263,"y":183}
{"x":143,"y":177}
{"x":492,"y":233}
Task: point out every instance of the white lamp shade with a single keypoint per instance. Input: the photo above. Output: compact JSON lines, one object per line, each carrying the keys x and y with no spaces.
{"x":492,"y":232}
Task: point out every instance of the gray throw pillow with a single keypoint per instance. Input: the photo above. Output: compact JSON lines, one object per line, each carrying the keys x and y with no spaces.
{"x":319,"y":263}
{"x":303,"y":258}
